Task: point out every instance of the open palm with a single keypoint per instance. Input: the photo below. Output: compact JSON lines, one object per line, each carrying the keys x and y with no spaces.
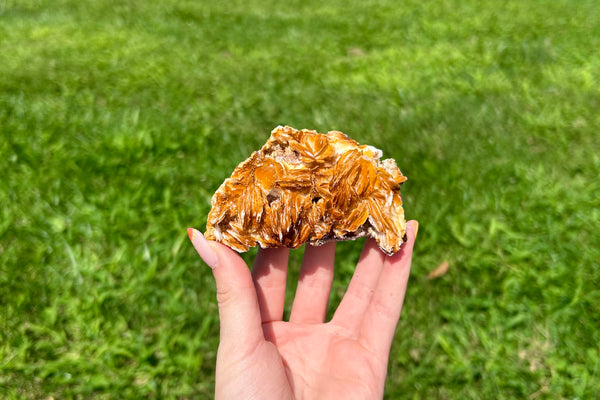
{"x":263,"y":357}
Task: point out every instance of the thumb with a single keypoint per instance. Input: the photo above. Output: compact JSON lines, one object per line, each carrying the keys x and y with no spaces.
{"x":239,"y":312}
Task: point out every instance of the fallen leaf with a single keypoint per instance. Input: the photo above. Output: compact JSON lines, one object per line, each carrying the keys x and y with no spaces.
{"x":415,"y":354}
{"x":356,"y":52}
{"x":442,"y":269}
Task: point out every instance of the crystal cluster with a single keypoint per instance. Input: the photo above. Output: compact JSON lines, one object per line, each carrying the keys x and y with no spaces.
{"x":307,"y":187}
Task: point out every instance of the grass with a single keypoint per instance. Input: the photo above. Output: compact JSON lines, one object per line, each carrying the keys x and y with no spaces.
{"x":119,"y":119}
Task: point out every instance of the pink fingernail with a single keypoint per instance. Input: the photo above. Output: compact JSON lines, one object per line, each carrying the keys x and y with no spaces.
{"x":203,"y":248}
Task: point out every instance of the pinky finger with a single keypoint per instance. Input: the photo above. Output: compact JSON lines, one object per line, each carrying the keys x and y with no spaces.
{"x":379,"y":323}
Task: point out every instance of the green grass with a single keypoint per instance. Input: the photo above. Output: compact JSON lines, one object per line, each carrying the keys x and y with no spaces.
{"x":119,"y":119}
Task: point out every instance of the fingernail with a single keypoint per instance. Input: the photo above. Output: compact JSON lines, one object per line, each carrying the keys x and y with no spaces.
{"x":415,"y":225}
{"x":203,"y":248}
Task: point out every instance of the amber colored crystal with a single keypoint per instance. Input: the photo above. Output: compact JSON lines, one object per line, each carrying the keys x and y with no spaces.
{"x":307,"y":187}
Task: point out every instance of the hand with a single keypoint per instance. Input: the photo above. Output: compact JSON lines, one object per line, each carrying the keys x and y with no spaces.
{"x":261,"y":356}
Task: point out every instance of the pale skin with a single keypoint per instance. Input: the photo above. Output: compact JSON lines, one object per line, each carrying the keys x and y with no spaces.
{"x":260,"y":356}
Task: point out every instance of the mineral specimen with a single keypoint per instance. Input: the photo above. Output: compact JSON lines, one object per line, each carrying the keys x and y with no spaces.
{"x":307,"y":187}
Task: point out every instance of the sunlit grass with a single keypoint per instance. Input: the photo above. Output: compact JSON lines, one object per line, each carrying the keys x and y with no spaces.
{"x":119,"y":119}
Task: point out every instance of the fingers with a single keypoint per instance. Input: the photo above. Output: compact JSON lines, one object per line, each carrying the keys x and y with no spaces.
{"x":239,"y":313}
{"x":380,"y":320}
{"x":361,"y":288}
{"x":314,"y":284}
{"x":270,"y":274}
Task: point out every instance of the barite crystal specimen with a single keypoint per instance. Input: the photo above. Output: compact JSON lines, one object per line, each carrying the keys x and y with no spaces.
{"x":307,"y":187}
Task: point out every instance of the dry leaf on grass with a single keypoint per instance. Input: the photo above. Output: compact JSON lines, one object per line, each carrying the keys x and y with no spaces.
{"x":441,"y":270}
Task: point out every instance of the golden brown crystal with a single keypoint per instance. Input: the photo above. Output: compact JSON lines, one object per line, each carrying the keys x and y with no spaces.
{"x":307,"y":187}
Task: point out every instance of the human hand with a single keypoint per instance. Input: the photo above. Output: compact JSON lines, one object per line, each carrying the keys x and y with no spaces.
{"x":261,"y":356}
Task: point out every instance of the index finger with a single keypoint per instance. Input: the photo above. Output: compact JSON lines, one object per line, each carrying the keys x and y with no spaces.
{"x":269,"y":274}
{"x":314,"y":284}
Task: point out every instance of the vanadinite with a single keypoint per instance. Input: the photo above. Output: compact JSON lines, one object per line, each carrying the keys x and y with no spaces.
{"x":307,"y":187}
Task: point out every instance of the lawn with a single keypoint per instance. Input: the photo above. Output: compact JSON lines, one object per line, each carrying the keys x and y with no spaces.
{"x":119,"y":119}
